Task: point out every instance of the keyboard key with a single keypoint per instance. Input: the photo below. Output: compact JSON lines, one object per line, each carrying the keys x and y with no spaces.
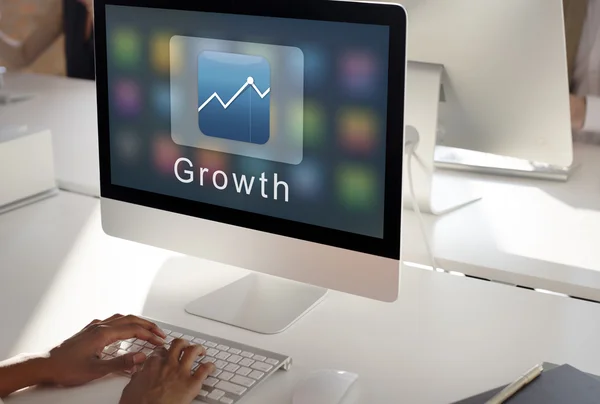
{"x":272,"y":362}
{"x":216,"y":373}
{"x":198,"y":341}
{"x":203,"y":393}
{"x":135,"y":348}
{"x":243,"y":371}
{"x":110,"y":350}
{"x":167,"y":332}
{"x":211,"y":352}
{"x":235,"y":351}
{"x":226,"y":400}
{"x":232,"y":367}
{"x":208,"y":359}
{"x":147,"y":351}
{"x":231,"y":388}
{"x":150,"y":345}
{"x":246,"y":362}
{"x":234,"y":358}
{"x":195,"y":367}
{"x":246,"y":354}
{"x":126,"y":345}
{"x":256,"y":375}
{"x":216,"y":395}
{"x":220,"y":364}
{"x":105,"y":356}
{"x":263,"y":367}
{"x":176,"y":334}
{"x":120,"y":352}
{"x":199,"y":359}
{"x":259,"y":358}
{"x":139,"y":342}
{"x":222,"y":355}
{"x":222,"y":347}
{"x":210,"y":344}
{"x":226,"y":376}
{"x":211,"y":382}
{"x":169,"y":339}
{"x":244,"y":381}
{"x":188,"y":338}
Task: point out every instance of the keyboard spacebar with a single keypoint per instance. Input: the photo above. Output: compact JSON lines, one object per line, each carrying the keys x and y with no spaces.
{"x":231,"y":388}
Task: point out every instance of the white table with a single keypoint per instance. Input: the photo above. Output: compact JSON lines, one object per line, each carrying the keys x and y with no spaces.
{"x":446,"y":337}
{"x":544,"y":237}
{"x":539,"y":234}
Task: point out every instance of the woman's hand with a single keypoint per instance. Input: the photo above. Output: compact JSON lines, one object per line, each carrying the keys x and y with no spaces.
{"x":77,"y":360}
{"x":166,"y":377}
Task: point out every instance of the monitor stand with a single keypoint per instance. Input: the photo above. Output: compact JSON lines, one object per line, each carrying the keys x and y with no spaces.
{"x":261,"y":303}
{"x":435,"y":194}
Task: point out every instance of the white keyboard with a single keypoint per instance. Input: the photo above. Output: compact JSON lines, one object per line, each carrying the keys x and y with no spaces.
{"x":240,"y":368}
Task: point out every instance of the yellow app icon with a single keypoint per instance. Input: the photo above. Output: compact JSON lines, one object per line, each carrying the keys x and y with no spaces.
{"x":159,"y":53}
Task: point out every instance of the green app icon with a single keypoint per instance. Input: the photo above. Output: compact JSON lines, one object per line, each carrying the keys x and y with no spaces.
{"x":127,"y":49}
{"x":356,"y":187}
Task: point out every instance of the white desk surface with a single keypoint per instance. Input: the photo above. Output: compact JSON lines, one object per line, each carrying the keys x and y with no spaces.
{"x":532,"y":233}
{"x":446,"y":338}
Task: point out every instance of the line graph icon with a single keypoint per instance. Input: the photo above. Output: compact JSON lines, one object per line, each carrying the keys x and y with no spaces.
{"x":214,"y":105}
{"x":231,"y":104}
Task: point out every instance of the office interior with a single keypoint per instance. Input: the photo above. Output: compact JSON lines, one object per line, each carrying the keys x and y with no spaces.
{"x":286,"y":249}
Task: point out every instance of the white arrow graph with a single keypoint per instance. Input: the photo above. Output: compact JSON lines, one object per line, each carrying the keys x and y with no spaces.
{"x":249,"y":82}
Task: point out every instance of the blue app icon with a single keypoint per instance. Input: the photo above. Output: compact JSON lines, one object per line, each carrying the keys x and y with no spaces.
{"x":234,"y":96}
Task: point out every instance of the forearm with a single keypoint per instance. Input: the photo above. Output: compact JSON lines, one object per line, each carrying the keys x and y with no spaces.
{"x":22,"y":372}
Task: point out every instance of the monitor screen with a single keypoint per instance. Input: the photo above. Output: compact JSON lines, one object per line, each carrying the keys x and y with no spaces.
{"x":275,"y":116}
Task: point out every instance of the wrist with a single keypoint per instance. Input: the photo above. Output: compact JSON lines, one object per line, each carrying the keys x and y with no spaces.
{"x":43,"y":369}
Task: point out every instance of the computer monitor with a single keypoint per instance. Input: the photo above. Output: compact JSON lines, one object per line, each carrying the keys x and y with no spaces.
{"x":506,"y":68}
{"x":264,"y":135}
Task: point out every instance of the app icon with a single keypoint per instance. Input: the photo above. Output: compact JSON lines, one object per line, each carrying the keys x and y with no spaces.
{"x":357,"y":130}
{"x":234,"y":96}
{"x":315,"y":65}
{"x":128,"y":146}
{"x":128,"y":98}
{"x":212,"y":160}
{"x":356,"y":186}
{"x":214,"y":107}
{"x":307,"y":179}
{"x":161,"y":96}
{"x":358,"y":73}
{"x":314,"y":124}
{"x":166,"y":154}
{"x":159,"y":53}
{"x":126,"y":47}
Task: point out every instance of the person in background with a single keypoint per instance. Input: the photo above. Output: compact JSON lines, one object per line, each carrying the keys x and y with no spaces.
{"x":74,"y":19}
{"x":164,"y":377}
{"x":582,"y":23}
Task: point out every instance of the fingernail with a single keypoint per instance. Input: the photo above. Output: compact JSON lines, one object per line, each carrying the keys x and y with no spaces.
{"x":139,"y":358}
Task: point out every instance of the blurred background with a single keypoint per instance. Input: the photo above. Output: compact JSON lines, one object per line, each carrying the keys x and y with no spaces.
{"x":18,"y":20}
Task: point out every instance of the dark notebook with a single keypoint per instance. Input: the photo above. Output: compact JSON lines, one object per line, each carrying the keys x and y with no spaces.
{"x":556,"y":385}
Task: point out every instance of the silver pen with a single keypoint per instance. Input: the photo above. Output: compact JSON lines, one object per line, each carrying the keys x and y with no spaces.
{"x":517,"y":385}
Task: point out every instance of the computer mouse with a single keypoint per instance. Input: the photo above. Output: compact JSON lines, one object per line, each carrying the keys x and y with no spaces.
{"x":327,"y":387}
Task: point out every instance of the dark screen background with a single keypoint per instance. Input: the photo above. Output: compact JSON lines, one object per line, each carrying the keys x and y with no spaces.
{"x":340,"y":182}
